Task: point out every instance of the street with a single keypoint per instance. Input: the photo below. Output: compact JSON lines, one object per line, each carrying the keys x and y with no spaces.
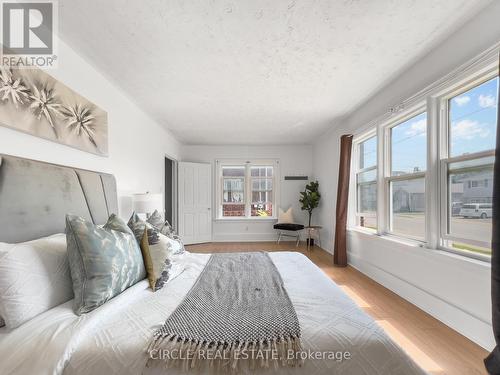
{"x":475,"y":229}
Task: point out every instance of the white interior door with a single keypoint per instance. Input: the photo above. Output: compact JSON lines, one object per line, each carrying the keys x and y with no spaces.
{"x":195,"y":202}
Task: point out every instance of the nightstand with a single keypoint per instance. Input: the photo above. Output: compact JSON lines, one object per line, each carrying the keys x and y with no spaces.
{"x":313,"y":231}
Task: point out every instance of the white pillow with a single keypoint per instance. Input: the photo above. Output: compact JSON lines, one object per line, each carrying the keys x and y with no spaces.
{"x":34,"y":277}
{"x":285,"y":217}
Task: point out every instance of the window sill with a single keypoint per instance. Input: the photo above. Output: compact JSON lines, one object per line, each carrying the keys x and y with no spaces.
{"x":389,"y":237}
{"x":252,"y":219}
{"x":369,"y":232}
{"x":456,"y":254}
{"x":404,"y":240}
{"x":413,"y":243}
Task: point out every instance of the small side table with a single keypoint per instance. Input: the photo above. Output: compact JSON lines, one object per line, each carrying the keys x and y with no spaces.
{"x":313,"y":230}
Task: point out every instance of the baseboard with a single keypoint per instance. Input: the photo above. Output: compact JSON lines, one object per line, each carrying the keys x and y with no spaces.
{"x":457,"y":319}
{"x":245,"y":237}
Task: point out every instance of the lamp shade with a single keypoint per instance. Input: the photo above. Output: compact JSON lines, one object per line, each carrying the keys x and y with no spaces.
{"x":146,"y":203}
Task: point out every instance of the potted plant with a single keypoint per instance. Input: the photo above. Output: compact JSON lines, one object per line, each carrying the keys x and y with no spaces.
{"x":309,"y":198}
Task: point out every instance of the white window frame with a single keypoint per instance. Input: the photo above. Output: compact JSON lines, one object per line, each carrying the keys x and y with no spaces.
{"x":463,"y":85}
{"x":388,"y":178}
{"x":357,"y":170}
{"x":433,"y":100}
{"x":245,"y":187}
{"x":219,"y":191}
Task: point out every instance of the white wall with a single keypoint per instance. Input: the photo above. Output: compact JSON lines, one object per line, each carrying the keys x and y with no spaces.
{"x":294,"y":160}
{"x":453,"y":289}
{"x":137,"y":144}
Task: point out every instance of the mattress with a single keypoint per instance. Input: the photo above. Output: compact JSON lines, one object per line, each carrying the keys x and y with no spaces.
{"x":337,"y":336}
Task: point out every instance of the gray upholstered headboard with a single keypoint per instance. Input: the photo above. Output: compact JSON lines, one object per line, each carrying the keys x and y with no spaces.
{"x":35,"y":197}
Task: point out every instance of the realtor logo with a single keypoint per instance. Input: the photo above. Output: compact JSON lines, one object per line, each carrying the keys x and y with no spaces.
{"x":28,"y":33}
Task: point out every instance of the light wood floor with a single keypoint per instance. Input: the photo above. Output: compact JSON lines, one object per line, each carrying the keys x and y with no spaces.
{"x":434,"y":346}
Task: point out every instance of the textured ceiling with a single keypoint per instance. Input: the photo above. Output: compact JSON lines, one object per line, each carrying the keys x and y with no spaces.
{"x":248,"y":72}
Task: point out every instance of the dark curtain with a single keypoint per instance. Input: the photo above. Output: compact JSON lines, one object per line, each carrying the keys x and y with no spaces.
{"x":492,"y":362}
{"x":340,"y":248}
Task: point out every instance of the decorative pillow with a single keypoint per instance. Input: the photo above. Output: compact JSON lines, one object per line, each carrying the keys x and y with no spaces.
{"x":103,"y":261}
{"x":137,"y":226}
{"x":34,"y":277}
{"x":177,"y":245}
{"x":156,"y":220}
{"x":162,"y":264}
{"x":165,"y":264}
{"x":285,"y":217}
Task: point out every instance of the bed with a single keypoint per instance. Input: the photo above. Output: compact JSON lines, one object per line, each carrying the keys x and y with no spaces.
{"x":113,"y":338}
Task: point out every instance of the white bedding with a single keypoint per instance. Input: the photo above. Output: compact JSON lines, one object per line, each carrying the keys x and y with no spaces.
{"x":112,"y":339}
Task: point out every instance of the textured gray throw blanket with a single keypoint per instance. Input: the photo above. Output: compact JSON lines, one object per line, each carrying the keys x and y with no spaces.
{"x":238,"y":309}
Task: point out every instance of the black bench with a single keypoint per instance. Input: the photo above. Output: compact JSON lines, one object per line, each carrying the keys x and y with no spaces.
{"x":288,"y":227}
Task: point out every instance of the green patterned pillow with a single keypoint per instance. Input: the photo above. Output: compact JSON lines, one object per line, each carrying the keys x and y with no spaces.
{"x":103,"y":261}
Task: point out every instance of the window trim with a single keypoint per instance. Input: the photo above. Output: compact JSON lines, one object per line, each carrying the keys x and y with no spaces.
{"x":219,"y":191}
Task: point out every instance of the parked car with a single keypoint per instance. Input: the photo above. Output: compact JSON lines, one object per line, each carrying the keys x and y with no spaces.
{"x":477,"y":210}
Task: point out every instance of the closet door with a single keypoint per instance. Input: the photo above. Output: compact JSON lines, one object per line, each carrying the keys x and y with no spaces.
{"x":195,"y":202}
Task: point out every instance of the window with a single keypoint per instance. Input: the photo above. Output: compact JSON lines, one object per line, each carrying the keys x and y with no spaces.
{"x":233,"y":193}
{"x":366,"y":184}
{"x":467,"y":160}
{"x":262,"y":190}
{"x":433,"y":177}
{"x":406,"y":182}
{"x":247,"y":189}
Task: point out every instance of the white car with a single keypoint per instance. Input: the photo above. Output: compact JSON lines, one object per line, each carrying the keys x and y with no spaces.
{"x":477,"y":210}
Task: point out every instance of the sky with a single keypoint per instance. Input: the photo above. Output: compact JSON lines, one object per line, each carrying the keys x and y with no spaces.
{"x":409,"y":152}
{"x":473,"y":129}
{"x":473,"y":119}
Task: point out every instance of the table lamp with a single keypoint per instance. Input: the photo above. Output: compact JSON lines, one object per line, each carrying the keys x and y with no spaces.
{"x":146,"y":203}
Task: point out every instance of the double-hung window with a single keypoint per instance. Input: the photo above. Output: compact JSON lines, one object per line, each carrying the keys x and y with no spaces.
{"x":366,"y":183}
{"x":470,"y":120}
{"x":247,"y":189}
{"x":405,"y":176}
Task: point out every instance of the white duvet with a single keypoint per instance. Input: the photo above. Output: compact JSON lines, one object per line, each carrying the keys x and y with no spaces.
{"x":113,"y":338}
